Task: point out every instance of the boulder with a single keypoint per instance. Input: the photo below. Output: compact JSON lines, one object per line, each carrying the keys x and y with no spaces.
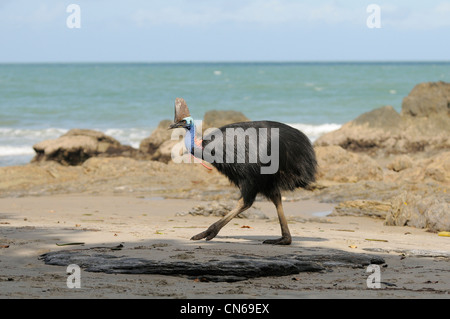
{"x":160,"y":135}
{"x":218,"y":267}
{"x":439,"y":168}
{"x":427,"y":99}
{"x":423,"y":125}
{"x":158,"y":146}
{"x":78,"y":145}
{"x":216,"y":119}
{"x":164,"y":152}
{"x":367,"y":133}
{"x":17,"y":179}
{"x":359,"y":207}
{"x":338,"y":165}
{"x":434,"y":168}
{"x":400,"y":163}
{"x":410,"y":209}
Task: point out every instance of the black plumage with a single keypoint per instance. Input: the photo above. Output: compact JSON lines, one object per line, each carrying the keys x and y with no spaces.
{"x":297,"y":162}
{"x":292,"y":164}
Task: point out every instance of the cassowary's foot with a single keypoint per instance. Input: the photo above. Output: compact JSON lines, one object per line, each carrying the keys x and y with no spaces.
{"x":209,"y":234}
{"x":279,"y":241}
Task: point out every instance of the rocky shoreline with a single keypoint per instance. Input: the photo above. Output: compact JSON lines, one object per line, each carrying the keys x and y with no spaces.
{"x":382,"y":164}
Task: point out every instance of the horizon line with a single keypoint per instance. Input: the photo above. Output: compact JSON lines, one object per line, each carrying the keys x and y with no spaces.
{"x":231,"y":62}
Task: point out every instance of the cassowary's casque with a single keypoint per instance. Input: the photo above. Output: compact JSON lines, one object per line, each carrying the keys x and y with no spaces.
{"x":260,"y":157}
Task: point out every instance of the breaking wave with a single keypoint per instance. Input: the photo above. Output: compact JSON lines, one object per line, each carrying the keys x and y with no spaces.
{"x":315,"y":131}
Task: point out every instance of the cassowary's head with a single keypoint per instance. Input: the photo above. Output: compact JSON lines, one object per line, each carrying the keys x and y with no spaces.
{"x":182,"y":116}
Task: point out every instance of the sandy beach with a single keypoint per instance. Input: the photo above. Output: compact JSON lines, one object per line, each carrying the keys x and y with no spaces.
{"x":375,"y":223}
{"x":249,"y":153}
{"x":416,"y":261}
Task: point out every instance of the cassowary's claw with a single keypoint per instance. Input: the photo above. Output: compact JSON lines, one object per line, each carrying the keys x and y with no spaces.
{"x":209,"y":234}
{"x":279,"y":241}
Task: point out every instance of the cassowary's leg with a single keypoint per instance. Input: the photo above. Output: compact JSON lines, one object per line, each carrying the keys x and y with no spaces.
{"x":285,"y":234}
{"x":214,"y":229}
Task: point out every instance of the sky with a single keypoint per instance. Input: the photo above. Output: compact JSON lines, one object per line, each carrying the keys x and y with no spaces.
{"x":223,"y":30}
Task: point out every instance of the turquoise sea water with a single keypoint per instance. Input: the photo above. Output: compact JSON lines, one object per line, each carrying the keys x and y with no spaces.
{"x":127,"y":101}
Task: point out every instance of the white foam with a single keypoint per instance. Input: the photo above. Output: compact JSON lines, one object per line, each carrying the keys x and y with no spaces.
{"x":16,"y":150}
{"x":11,"y":137}
{"x":30,"y":134}
{"x":128,"y":136}
{"x":315,"y":131}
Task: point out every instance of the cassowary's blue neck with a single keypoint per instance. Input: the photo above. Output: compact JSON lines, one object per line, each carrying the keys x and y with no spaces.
{"x":189,"y":139}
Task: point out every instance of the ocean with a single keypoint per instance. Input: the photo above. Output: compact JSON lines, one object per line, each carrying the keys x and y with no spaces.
{"x":127,"y":101}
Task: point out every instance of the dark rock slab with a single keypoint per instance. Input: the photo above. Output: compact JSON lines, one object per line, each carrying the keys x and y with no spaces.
{"x":234,"y":268}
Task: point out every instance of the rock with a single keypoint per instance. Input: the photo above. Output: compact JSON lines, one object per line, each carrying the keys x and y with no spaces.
{"x":431,"y":169}
{"x":427,"y":99}
{"x":367,"y":133}
{"x":115,"y":167}
{"x":164,"y":152}
{"x":77,"y":145}
{"x":228,"y":268}
{"x":422,"y":126}
{"x":430,"y":212}
{"x":103,"y":175}
{"x":368,"y":208}
{"x":338,"y":165}
{"x":439,"y":168}
{"x":411,"y":252}
{"x":158,"y":146}
{"x":233,"y":270}
{"x":160,"y":135}
{"x":438,"y":217}
{"x":400,"y":163}
{"x":385,"y":117}
{"x":220,"y":209}
{"x":216,"y":119}
{"x":19,"y":178}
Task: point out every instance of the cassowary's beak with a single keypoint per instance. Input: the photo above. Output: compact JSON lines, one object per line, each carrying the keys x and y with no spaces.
{"x":177,"y":125}
{"x":173,"y":126}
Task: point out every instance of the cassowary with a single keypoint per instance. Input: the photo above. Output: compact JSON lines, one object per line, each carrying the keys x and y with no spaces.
{"x":259,"y":157}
